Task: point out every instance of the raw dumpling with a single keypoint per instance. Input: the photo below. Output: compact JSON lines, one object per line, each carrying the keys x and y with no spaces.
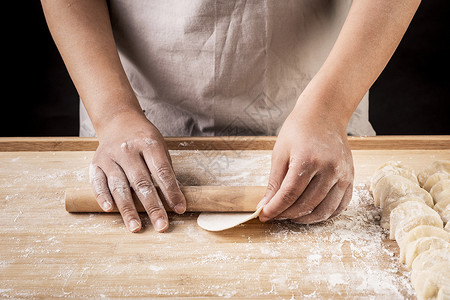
{"x":429,"y":283}
{"x":423,"y":244}
{"x":391,"y":168}
{"x":440,"y":190}
{"x":409,"y":215}
{"x":435,"y":178}
{"x":396,"y":187}
{"x":425,"y":260}
{"x":420,"y":232}
{"x":386,"y":211}
{"x":443,"y":209}
{"x":444,"y":293}
{"x":442,"y":166}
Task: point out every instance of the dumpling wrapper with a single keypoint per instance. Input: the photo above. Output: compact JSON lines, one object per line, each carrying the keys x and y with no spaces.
{"x":223,"y":221}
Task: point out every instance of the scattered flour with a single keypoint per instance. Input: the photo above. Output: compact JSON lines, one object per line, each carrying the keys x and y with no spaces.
{"x":155,"y":268}
{"x":284,"y":259}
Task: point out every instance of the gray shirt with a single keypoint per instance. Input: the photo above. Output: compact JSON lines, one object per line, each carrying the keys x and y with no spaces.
{"x":222,"y":67}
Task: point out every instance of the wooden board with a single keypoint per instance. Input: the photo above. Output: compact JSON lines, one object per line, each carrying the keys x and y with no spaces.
{"x":404,"y":142}
{"x":47,"y":252}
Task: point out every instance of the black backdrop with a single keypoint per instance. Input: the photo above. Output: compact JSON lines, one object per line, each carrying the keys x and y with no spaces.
{"x":412,"y":95}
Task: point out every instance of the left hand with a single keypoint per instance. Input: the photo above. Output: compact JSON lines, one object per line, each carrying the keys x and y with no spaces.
{"x":311,"y":176}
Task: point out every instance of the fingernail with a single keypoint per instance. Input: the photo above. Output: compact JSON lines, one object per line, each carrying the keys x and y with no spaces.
{"x":106,"y":206}
{"x":263,"y":219}
{"x":134,"y":225}
{"x":180,"y":208}
{"x":160,"y":224}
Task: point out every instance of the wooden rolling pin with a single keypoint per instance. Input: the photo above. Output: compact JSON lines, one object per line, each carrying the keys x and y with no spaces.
{"x":198,"y":199}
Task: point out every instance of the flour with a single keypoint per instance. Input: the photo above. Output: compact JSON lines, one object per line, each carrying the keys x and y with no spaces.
{"x":155,"y":268}
{"x":356,"y":232}
{"x":185,"y":144}
{"x":335,"y":279}
{"x":274,"y":260}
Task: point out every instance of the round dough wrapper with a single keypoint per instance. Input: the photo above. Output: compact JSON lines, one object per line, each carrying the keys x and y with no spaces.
{"x":442,"y":166}
{"x":429,"y":283}
{"x":447,"y":227}
{"x":435,"y":178}
{"x":391,"y":168}
{"x":443,"y":209}
{"x":421,"y":245}
{"x":386,"y":211}
{"x":411,"y":214}
{"x":425,"y":260}
{"x":396,"y":187}
{"x":223,"y":221}
{"x":418,"y":233}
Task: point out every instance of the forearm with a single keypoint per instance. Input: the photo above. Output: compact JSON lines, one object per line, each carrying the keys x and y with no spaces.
{"x":371,"y":33}
{"x":82,"y":32}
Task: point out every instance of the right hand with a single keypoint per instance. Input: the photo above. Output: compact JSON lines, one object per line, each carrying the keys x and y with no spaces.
{"x":131,"y":149}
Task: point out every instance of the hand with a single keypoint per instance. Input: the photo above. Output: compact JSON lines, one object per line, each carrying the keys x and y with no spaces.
{"x":311,"y":176}
{"x":131,"y":149}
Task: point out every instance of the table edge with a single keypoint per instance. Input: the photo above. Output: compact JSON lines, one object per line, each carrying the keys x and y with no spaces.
{"x":391,"y":142}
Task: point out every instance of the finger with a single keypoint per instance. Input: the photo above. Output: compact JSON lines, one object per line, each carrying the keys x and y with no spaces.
{"x":326,"y":208}
{"x":291,"y":188}
{"x":345,"y":201}
{"x":141,"y":182}
{"x":120,"y":190}
{"x":99,"y":185}
{"x":278,"y":170}
{"x":161,"y":169}
{"x":313,"y":195}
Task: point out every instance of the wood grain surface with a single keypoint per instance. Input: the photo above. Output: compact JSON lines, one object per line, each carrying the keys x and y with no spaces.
{"x":405,"y":142}
{"x":47,"y":252}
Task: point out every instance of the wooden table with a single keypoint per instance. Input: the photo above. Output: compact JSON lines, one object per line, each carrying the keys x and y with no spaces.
{"x":47,"y":252}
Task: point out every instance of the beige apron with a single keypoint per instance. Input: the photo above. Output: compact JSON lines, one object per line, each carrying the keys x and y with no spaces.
{"x":222,"y":67}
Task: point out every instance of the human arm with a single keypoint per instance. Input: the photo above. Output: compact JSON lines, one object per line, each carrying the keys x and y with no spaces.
{"x":311,"y":175}
{"x":130,"y":147}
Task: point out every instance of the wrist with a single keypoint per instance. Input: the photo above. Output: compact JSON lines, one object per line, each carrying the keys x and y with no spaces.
{"x":318,"y":112}
{"x":117,"y":120}
{"x":327,"y":103}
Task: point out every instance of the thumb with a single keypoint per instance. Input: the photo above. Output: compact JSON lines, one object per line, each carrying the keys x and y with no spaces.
{"x":278,"y":170}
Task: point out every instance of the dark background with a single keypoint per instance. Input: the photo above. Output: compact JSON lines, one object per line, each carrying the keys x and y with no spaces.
{"x":412,"y":95}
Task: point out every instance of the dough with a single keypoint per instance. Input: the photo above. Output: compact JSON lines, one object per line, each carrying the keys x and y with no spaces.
{"x":420,"y":194}
{"x":421,"y":245}
{"x":426,"y":260}
{"x":442,"y":166}
{"x":442,"y":196}
{"x":406,"y":226}
{"x":386,"y":211}
{"x":415,"y":218}
{"x":435,"y":178}
{"x":429,"y":283}
{"x":223,"y":221}
{"x":395,"y":187}
{"x":418,"y":233}
{"x":391,"y":168}
{"x":409,"y":215}
{"x":443,"y":209}
{"x":440,"y":190}
{"x":444,"y":293}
